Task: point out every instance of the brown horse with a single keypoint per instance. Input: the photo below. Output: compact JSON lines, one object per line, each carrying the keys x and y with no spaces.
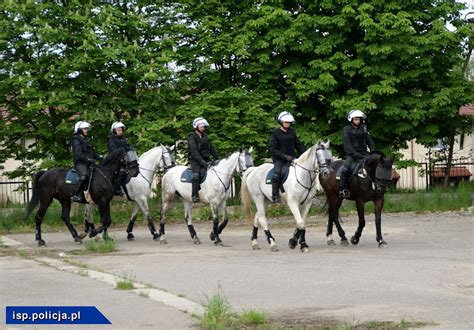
{"x":377,"y":171}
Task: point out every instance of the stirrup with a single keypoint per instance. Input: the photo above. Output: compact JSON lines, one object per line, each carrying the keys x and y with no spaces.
{"x":362,"y":173}
{"x":344,"y":193}
{"x":77,"y":199}
{"x":196,"y":199}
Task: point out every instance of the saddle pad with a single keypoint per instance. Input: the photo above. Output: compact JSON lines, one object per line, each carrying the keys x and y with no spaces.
{"x":284,"y":176}
{"x":71,"y":177}
{"x":187,"y":176}
{"x":355,"y":166}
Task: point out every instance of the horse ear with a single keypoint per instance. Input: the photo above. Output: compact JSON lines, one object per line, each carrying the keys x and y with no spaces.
{"x":327,"y":144}
{"x":172,"y":147}
{"x":251,"y":150}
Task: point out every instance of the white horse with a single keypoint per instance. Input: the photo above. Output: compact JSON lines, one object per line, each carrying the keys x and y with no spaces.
{"x":214,"y":191}
{"x":139,"y":188}
{"x":300,"y":187}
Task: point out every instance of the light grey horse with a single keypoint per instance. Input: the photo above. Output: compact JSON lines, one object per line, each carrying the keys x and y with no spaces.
{"x":139,"y":188}
{"x":300,"y":187}
{"x":214,"y":191}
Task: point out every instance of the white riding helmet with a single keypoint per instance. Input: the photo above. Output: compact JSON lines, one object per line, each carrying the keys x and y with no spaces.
{"x":285,"y":116}
{"x":200,"y":121}
{"x":80,"y":125}
{"x":117,"y":124}
{"x":355,"y":114}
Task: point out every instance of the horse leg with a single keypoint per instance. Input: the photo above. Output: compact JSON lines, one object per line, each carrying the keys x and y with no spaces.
{"x":225,"y":220}
{"x":360,"y":212}
{"x":131,"y":223}
{"x":254,"y":236}
{"x":300,"y":231}
{"x":143,"y":204}
{"x":262,"y":219}
{"x":44,"y":204}
{"x":88,"y":220}
{"x":378,"y":203}
{"x":188,"y":207}
{"x":335,"y":220}
{"x":215,"y":224}
{"x":106,"y":221}
{"x":165,"y":204}
{"x":65,"y":210}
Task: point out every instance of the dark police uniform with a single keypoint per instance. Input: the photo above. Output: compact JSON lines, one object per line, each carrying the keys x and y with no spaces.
{"x":200,"y":151}
{"x":282,"y":146}
{"x":84,"y":156}
{"x":356,"y":140}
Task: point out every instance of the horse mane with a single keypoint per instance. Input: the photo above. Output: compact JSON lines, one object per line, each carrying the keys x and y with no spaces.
{"x":112,"y":157}
{"x":306,"y":154}
{"x":148,"y":152}
{"x":377,"y":152}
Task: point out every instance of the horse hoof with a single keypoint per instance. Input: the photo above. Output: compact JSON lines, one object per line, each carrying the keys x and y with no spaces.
{"x":274,"y":248}
{"x":305,"y":249}
{"x":218,"y":242}
{"x":354,"y":240}
{"x":344,"y":242}
{"x":196,"y":241}
{"x":292,"y":243}
{"x":77,"y":240}
{"x":93,"y":233}
{"x":212,"y":236}
{"x":163,"y":241}
{"x":331,"y":242}
{"x":41,"y":242}
{"x":156,"y":237}
{"x":82,"y":235}
{"x":383,"y":244}
{"x":255,"y":246}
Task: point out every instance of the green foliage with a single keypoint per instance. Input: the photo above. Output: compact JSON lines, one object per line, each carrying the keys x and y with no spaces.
{"x":157,"y":65}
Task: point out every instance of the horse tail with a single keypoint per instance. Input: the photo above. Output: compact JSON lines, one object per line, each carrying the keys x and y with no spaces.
{"x":245,"y":195}
{"x":35,"y":197}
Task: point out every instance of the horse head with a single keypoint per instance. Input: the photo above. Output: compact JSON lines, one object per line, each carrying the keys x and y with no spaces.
{"x":324,"y":158}
{"x":167,"y":160}
{"x":379,"y":168}
{"x":130,"y":162}
{"x":245,"y":160}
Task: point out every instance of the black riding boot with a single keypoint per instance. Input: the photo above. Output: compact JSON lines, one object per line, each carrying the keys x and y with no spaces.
{"x":343,"y":191}
{"x":276,"y":191}
{"x":118,"y":182}
{"x":195,"y":190}
{"x":78,"y":196}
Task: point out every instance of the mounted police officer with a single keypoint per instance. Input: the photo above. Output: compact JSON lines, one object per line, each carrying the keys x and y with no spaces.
{"x":200,"y":150}
{"x":282,"y":145}
{"x":115,"y":141}
{"x":84,"y":156}
{"x":356,"y":140}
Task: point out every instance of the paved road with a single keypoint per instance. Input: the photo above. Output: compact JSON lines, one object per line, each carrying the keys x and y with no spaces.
{"x":426,"y":273}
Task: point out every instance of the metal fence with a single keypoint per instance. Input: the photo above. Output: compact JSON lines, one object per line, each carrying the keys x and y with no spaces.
{"x":16,"y":192}
{"x":426,"y":174}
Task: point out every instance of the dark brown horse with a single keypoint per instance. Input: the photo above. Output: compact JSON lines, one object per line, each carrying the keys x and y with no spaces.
{"x":51,"y":184}
{"x":377,"y":170}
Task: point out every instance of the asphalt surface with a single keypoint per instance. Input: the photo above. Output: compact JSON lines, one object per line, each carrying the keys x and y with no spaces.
{"x":426,"y":274}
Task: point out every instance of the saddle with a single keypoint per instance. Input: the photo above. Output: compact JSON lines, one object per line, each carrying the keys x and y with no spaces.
{"x":284,"y":175}
{"x":354,"y":170}
{"x":71,"y":177}
{"x":187,"y":176}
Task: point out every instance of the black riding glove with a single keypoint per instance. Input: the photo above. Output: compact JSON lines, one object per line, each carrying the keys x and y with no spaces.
{"x":289,"y":158}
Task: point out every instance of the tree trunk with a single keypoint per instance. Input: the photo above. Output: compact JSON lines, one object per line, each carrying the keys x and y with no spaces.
{"x":449,"y":161}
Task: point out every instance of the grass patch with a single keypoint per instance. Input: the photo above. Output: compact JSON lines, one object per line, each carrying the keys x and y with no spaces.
{"x":126,"y":282}
{"x":143,"y":294}
{"x":386,"y":325}
{"x":218,"y":314}
{"x":101,"y":246}
{"x":253,"y":318}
